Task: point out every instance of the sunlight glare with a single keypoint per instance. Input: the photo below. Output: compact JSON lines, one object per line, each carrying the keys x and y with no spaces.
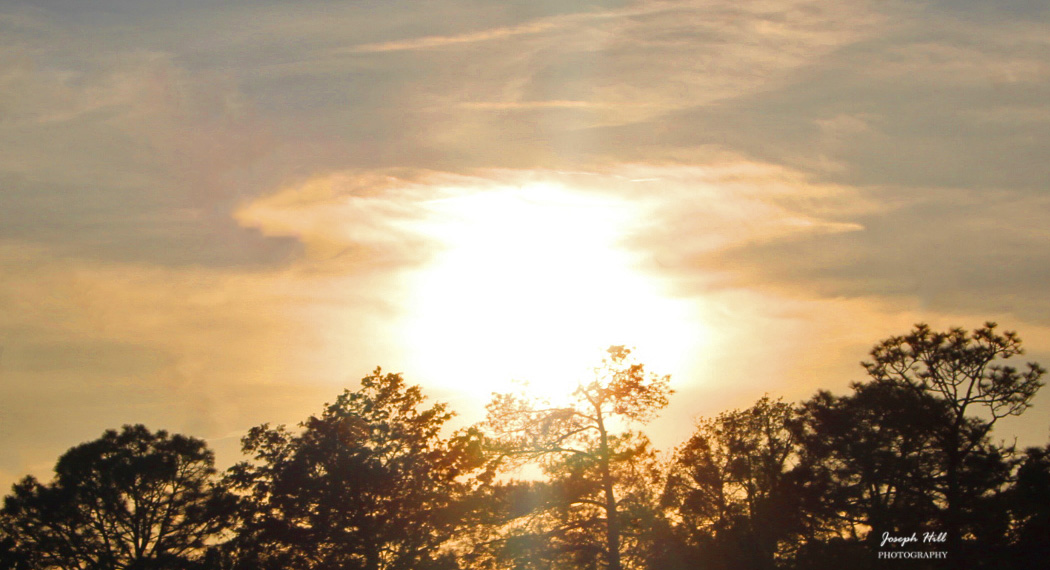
{"x":532,"y":284}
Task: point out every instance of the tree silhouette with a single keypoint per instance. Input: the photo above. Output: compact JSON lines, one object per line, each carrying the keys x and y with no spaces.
{"x":132,"y":499}
{"x":730,"y":489}
{"x":596,"y":473}
{"x":1029,"y":502}
{"x":964,"y":372}
{"x":870,"y":462}
{"x":368,"y":484}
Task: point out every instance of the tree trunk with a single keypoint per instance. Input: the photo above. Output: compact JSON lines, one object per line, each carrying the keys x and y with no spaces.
{"x":612,"y":528}
{"x":372,"y":558}
{"x":952,"y":523}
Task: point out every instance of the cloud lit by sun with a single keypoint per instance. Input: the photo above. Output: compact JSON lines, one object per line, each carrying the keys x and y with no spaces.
{"x":507,"y":275}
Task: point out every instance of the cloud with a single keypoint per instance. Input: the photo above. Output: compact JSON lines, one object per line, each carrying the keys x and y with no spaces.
{"x":949,"y":251}
{"x":368,"y":221}
{"x":528,"y":105}
{"x":135,"y":160}
{"x":193,"y":112}
{"x":932,"y":101}
{"x":567,"y":75}
{"x":361,"y":218}
{"x":726,"y":224}
{"x":699,"y":210}
{"x":756,"y":201}
{"x":431,"y":42}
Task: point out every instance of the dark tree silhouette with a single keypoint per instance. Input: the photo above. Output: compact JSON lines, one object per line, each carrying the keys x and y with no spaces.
{"x":369,"y":484}
{"x":730,"y":489}
{"x":872,"y":464}
{"x":869,"y":461}
{"x":598,"y":474}
{"x":965,"y":373}
{"x":1029,"y":502}
{"x":132,"y":499}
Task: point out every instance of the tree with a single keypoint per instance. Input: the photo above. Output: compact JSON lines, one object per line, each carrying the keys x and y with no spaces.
{"x":132,"y":499}
{"x":872,"y":464}
{"x":369,"y":484}
{"x":965,"y":373}
{"x":730,"y":489}
{"x":869,"y":461}
{"x":597,"y":474}
{"x":1028,"y":500}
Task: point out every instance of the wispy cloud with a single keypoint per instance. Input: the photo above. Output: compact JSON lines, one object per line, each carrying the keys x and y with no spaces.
{"x":431,"y":42}
{"x":528,"y":105}
{"x":541,"y":25}
{"x":682,"y":211}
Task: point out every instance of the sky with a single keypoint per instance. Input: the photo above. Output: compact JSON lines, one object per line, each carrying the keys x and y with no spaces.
{"x":219,"y":214}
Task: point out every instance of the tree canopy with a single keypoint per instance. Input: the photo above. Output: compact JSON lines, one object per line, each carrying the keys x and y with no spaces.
{"x":596,"y":467}
{"x":966,"y":373}
{"x":729,"y":487}
{"x":370,"y":484}
{"x":132,"y":499}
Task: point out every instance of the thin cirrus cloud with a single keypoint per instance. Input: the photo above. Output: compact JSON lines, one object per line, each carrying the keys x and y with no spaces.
{"x":563,"y":23}
{"x":628,"y":66}
{"x":713,"y":206}
{"x":430,"y":42}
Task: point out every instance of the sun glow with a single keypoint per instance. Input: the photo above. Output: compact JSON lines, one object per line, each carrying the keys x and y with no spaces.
{"x":531,"y":284}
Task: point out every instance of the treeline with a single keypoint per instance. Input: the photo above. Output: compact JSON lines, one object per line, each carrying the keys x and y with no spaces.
{"x":903,"y":470}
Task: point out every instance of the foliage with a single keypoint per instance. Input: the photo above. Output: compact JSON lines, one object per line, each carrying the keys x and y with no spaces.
{"x":598,"y":478}
{"x":729,"y":488}
{"x":869,"y":461}
{"x":369,"y":484}
{"x":132,"y":499}
{"x":1028,"y":501}
{"x":964,"y":372}
{"x":961,"y":369}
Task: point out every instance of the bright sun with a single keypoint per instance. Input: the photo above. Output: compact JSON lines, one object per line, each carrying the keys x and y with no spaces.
{"x":531,"y":284}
